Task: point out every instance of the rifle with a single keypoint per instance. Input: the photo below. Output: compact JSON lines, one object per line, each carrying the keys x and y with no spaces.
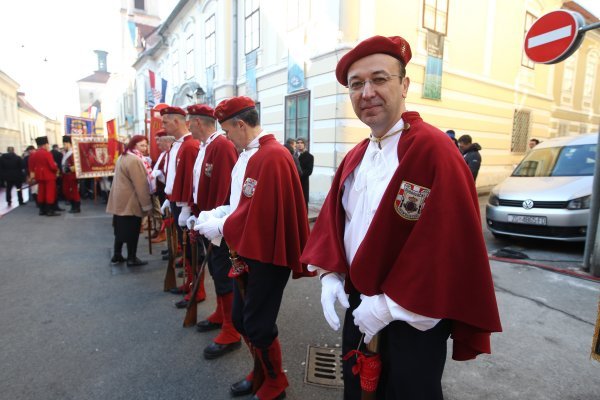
{"x":191,"y":314}
{"x":170,"y":282}
{"x":149,"y":234}
{"x":239,"y":268}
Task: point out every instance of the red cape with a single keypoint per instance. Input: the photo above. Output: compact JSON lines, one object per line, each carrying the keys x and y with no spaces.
{"x":270,"y":224}
{"x":186,"y":156}
{"x":436,"y":265}
{"x":215,"y":180}
{"x":42,"y":164}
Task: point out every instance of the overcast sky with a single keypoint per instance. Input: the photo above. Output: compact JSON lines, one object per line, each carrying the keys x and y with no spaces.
{"x":46,"y":46}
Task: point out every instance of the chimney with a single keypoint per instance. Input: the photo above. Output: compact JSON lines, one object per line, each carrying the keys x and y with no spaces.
{"x":101,"y":60}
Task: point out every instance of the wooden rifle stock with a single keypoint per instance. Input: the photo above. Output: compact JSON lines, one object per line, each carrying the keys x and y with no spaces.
{"x":149,"y":234}
{"x":372,"y":348}
{"x":191,"y":314}
{"x":170,"y":281}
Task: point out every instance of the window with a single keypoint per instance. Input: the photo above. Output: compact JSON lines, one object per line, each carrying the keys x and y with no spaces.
{"x":297,"y":13}
{"x":568,"y":79}
{"x":139,"y":4}
{"x":297,"y":116}
{"x":591,"y":66}
{"x":435,"y":15}
{"x":211,"y":41}
{"x":252,"y":26}
{"x":520,"y":131}
{"x":175,"y":64}
{"x":189,"y":57}
{"x":529,"y":20}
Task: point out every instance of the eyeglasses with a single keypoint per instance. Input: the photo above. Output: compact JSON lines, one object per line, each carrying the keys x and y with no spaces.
{"x":358,"y":85}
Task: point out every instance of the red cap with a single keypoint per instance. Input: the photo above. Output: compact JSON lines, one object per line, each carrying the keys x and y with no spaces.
{"x":201,"y":109}
{"x":394,"y":46}
{"x":172,"y":110}
{"x":161,"y":133}
{"x":229,"y":108}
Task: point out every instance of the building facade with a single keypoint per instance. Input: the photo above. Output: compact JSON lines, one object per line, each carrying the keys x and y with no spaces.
{"x":468,"y":72}
{"x":10,"y":132}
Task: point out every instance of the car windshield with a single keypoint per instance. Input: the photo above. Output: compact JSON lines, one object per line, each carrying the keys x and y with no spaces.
{"x":559,"y":161}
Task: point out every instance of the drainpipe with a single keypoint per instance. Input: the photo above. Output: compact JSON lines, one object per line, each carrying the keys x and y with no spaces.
{"x":235,"y":47}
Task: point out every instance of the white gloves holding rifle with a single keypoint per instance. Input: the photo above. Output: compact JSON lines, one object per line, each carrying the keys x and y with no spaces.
{"x":332,"y":289}
{"x":372,"y":315}
{"x":211,"y":227}
{"x":186,"y":211}
{"x":166,"y":205}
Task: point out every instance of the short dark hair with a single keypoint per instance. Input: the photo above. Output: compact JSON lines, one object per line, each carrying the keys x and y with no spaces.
{"x":289,"y":141}
{"x":301,"y":139}
{"x":250,"y":117}
{"x":534,"y":140}
{"x":466,"y":139}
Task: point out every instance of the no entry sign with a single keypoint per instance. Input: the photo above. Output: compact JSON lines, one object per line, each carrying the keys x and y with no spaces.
{"x":554,"y":37}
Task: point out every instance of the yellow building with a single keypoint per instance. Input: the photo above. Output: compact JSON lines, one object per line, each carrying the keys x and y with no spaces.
{"x":31,"y":121}
{"x":10,"y":134}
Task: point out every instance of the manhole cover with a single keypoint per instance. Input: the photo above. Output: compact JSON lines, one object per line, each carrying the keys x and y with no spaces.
{"x":324,"y":366}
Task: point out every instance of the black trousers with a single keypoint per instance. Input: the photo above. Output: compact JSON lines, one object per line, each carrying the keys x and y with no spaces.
{"x":9,"y":186}
{"x":218,"y":266}
{"x":412,"y":360}
{"x":126,"y":230}
{"x":255,"y":313}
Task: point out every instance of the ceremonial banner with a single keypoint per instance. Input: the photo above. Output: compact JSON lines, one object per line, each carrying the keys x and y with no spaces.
{"x":112,"y":140}
{"x":91,"y":156}
{"x":78,"y":125}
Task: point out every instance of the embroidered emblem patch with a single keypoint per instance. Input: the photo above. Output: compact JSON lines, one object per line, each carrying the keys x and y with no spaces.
{"x":208,"y":170}
{"x":410,"y":200}
{"x":249,"y":187}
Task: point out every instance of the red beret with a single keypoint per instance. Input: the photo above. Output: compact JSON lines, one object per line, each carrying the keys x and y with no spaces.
{"x":229,"y":108}
{"x":172,"y":110}
{"x":394,"y":46}
{"x":161,"y":133}
{"x":201,"y":109}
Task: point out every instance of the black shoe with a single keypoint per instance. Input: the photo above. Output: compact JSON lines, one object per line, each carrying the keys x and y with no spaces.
{"x":165,"y":251}
{"x":52,"y":213}
{"x":136,"y":262}
{"x":21,"y":203}
{"x":241,"y":388}
{"x":181,"y":304}
{"x":176,"y":290}
{"x":117,"y":260}
{"x":74,"y":211}
{"x":206,"y":326}
{"x":57,"y":208}
{"x":216,"y":350}
{"x":165,"y":257}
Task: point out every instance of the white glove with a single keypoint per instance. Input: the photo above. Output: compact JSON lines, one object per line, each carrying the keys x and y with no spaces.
{"x":184,"y":215}
{"x":165,"y":206}
{"x":220,"y":211}
{"x":203,"y":217}
{"x":191,"y":221}
{"x":156,"y":173}
{"x":372,"y":315}
{"x":211,"y":228}
{"x":332,"y":289}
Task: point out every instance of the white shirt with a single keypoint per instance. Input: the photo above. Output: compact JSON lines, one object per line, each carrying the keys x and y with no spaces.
{"x":363,"y":190}
{"x":198,"y":164}
{"x":172,"y":165}
{"x":155,"y":168}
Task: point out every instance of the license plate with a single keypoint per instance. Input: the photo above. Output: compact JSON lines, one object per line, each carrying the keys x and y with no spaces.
{"x":527,"y":219}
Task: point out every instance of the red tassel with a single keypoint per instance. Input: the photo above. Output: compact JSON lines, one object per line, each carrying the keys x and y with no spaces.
{"x":368,"y":367}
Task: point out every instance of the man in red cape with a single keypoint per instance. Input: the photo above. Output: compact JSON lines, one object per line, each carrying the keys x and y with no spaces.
{"x":212,"y":180}
{"x":44,"y":169}
{"x":178,"y":186}
{"x":400,"y":232}
{"x":266,"y":226}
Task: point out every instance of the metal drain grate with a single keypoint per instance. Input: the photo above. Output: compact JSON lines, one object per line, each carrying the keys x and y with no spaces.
{"x":324,"y":366}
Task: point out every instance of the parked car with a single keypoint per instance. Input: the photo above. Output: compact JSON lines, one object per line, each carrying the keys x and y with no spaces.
{"x":548,"y":194}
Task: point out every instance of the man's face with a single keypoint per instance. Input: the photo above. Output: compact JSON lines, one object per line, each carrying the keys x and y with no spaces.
{"x":378,"y":106}
{"x":532,"y":144}
{"x":300,"y":145}
{"x":463,"y":146}
{"x":169,"y":124}
{"x":235,"y":132}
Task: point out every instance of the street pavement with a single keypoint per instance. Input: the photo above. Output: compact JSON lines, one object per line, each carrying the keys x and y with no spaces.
{"x":74,"y":327}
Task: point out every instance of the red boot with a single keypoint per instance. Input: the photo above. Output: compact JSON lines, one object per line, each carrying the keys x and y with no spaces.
{"x":217,"y":316}
{"x":189,"y":285}
{"x":228,"y":333}
{"x":275,"y":380}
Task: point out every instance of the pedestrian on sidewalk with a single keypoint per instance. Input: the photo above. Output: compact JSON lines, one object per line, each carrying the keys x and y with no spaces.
{"x":11,"y":166}
{"x":129,"y":199}
{"x":307,"y":162}
{"x":470,"y":152}
{"x":265,"y":227}
{"x":392,"y":234}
